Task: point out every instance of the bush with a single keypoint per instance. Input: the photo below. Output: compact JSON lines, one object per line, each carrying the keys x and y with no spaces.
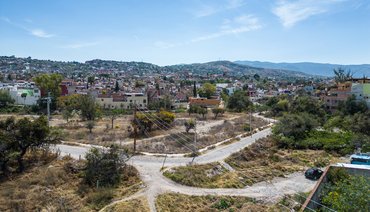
{"x":246,"y":127}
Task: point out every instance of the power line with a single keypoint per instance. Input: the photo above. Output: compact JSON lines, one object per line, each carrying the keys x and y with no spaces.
{"x":165,"y":124}
{"x":156,"y":121}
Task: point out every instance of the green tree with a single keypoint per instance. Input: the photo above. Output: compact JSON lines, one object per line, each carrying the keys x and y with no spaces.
{"x":202,"y":111}
{"x":5,"y":99}
{"x":116,"y":88}
{"x":257,"y":77}
{"x":89,"y":109}
{"x":194,"y":90}
{"x":189,"y":124}
{"x":49,"y":83}
{"x":103,"y":168}
{"x":193,"y":109}
{"x":22,"y":135}
{"x":347,"y":194}
{"x":294,"y":127}
{"x":166,"y":117}
{"x":239,"y":101}
{"x":90,"y":126}
{"x":352,"y":106}
{"x":142,"y":122}
{"x":341,"y":75}
{"x":207,"y":90}
{"x":218,"y":111}
{"x":91,"y":80}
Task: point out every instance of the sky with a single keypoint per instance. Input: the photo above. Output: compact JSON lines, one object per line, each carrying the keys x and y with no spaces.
{"x":166,"y":32}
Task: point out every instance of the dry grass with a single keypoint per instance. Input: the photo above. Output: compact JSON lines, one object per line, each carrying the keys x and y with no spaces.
{"x":181,"y":202}
{"x":137,"y":205}
{"x":53,"y":187}
{"x":175,"y":142}
{"x":260,"y":161}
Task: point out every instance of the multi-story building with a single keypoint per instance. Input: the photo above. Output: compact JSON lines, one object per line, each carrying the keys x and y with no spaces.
{"x":122,"y":101}
{"x":360,"y":88}
{"x":23,"y":93}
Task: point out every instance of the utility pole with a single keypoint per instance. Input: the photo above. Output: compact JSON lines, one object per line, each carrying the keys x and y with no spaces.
{"x":48,"y":101}
{"x":195,"y":142}
{"x":135,"y":128}
{"x":250,"y":113}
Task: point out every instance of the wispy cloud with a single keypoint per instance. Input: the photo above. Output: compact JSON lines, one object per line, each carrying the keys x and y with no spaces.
{"x":292,"y":12}
{"x":207,"y":9}
{"x":80,"y":45}
{"x":235,"y":26}
{"x":40,"y":33}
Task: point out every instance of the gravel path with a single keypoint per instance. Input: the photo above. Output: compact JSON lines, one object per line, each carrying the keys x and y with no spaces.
{"x":149,"y":169}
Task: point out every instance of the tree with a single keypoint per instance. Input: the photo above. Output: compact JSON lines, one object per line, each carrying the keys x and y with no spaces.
{"x":67,"y":114}
{"x":341,"y":75}
{"x":166,"y":117}
{"x":113,"y":114}
{"x":90,"y":126}
{"x":218,"y":111}
{"x":5,"y":99}
{"x":203,"y":111}
{"x":91,"y":80}
{"x":103,"y":167}
{"x":193,"y":109}
{"x":189,"y":124}
{"x":294,"y":126}
{"x":346,"y":192}
{"x":239,"y":101}
{"x":194,"y":90}
{"x":207,"y":90}
{"x":142,"y":122}
{"x":19,"y":136}
{"x":352,"y":106}
{"x":116,"y":88}
{"x":49,"y":83}
{"x":89,"y":109}
{"x":257,"y":77}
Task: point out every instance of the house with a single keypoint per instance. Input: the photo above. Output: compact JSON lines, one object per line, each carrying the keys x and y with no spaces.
{"x":204,"y":102}
{"x":24,"y":93}
{"x":122,"y":101}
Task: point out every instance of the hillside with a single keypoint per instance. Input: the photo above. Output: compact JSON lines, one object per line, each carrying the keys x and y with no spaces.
{"x":235,"y":69}
{"x":15,"y":64}
{"x":323,"y":69}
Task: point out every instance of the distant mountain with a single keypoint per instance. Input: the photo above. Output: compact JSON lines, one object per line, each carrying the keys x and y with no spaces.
{"x":323,"y":69}
{"x":231,"y":68}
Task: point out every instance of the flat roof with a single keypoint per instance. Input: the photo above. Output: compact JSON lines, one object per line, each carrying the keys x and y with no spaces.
{"x":354,"y":166}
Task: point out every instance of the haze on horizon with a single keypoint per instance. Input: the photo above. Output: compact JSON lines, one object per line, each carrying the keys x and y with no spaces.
{"x":187,"y":31}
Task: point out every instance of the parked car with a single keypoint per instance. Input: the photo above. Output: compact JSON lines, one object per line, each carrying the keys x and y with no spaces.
{"x":313,"y":173}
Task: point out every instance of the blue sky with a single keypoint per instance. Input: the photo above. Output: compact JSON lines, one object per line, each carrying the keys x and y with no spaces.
{"x":187,"y":31}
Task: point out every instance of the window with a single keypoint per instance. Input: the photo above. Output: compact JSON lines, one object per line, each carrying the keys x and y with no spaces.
{"x":144,"y":101}
{"x":130,"y":100}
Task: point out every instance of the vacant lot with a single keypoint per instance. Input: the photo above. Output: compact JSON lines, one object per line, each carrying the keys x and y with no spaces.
{"x":181,"y":202}
{"x":53,"y":187}
{"x":178,"y":141}
{"x":261,"y":161}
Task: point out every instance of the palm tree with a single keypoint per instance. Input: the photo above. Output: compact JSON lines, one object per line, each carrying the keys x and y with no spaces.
{"x":342,"y":75}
